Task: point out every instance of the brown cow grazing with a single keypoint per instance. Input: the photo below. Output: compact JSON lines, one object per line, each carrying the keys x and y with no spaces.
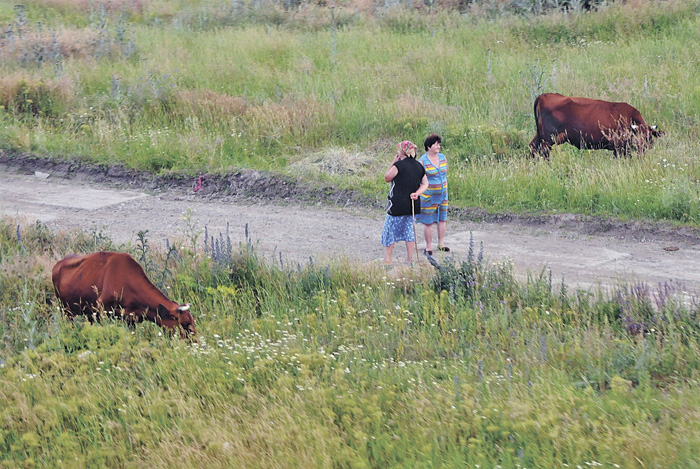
{"x":115,"y":281}
{"x":589,"y":124}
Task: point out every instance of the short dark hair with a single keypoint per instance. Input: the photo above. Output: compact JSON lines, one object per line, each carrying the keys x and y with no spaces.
{"x":430,"y":141}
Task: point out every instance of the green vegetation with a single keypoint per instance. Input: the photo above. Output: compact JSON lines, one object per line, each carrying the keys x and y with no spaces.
{"x":212,"y":86}
{"x":344,"y":366}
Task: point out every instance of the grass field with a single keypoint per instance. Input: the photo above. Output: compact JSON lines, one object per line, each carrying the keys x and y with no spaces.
{"x":346,"y":365}
{"x":211,"y":86}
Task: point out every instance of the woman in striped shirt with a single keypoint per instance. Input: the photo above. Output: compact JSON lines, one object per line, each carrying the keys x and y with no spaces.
{"x":434,"y":201}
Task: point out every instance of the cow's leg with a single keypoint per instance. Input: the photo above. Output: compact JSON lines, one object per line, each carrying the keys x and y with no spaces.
{"x":72,"y":308}
{"x":621,"y":150}
{"x":545,"y":146}
{"x":535,"y":146}
{"x":131,"y":318}
{"x":105,"y":305}
{"x":539,"y":147}
{"x":562,"y":137}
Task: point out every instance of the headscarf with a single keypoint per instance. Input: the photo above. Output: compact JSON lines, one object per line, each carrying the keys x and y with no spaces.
{"x":407,"y":149}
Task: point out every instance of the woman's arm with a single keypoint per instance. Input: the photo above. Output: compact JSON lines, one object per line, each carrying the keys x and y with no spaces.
{"x":392,"y":171}
{"x":423,"y":187}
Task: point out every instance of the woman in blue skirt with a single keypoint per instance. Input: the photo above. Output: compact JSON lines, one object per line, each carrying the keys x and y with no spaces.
{"x":408,"y":182}
{"x":434,"y":201}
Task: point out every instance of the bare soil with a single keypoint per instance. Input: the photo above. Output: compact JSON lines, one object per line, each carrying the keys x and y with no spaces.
{"x":296,"y":221}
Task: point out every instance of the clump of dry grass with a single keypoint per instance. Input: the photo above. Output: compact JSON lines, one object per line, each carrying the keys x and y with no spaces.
{"x":290,"y":116}
{"x":336,"y":162}
{"x":410,"y":105}
{"x":274,"y":118}
{"x":208,"y":103}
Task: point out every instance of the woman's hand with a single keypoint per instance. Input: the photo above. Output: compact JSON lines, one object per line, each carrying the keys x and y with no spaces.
{"x":415,"y":196}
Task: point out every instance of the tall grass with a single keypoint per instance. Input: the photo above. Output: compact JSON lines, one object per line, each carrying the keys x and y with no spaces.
{"x":213,"y":86}
{"x":342,"y":365}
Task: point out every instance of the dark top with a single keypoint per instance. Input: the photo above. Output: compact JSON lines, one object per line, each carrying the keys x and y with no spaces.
{"x":406,"y":182}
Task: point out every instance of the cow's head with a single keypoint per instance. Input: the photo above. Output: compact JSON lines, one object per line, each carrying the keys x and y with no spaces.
{"x":645,"y":134}
{"x":186,"y":321}
{"x":179,"y":318}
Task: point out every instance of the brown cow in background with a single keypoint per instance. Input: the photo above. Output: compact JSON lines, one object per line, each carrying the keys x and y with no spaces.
{"x":589,"y":124}
{"x":115,"y":281}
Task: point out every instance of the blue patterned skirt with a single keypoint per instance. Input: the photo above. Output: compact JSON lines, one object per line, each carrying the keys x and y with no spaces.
{"x":398,"y":229}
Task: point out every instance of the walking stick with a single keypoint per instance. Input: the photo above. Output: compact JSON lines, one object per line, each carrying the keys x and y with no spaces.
{"x":415,"y":235}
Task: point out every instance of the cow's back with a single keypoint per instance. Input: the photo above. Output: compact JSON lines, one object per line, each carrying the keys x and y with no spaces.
{"x":79,"y":278}
{"x":126,"y":284}
{"x":577,"y":111}
{"x":104,"y":276}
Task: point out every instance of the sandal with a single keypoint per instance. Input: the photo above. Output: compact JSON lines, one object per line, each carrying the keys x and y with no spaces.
{"x":443,"y":249}
{"x":430,"y":253}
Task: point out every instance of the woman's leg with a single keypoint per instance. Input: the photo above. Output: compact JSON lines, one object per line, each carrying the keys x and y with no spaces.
{"x":388,"y":250}
{"x":428,"y":233}
{"x":410,"y":247}
{"x":441,"y":230}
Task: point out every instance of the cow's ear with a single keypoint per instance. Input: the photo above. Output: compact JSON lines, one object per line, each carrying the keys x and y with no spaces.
{"x":163,"y":311}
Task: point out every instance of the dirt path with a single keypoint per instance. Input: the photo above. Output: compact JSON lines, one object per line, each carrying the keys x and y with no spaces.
{"x":301,"y":230}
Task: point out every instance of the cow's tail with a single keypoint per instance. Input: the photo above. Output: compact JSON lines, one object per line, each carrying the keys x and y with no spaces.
{"x":537,"y":142}
{"x":539,"y":128}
